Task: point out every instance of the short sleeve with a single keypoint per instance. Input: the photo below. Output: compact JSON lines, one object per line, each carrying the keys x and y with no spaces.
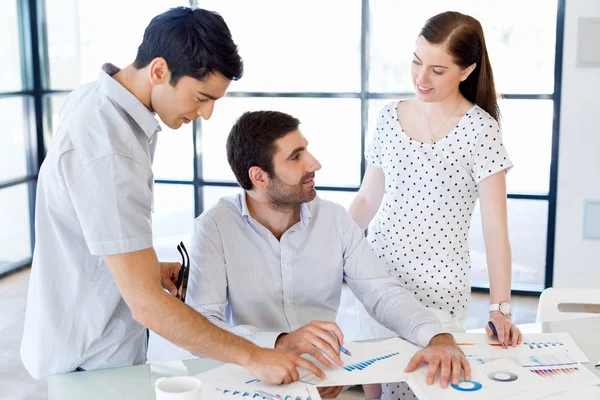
{"x":112,"y":197}
{"x":489,"y":155}
{"x":373,"y":151}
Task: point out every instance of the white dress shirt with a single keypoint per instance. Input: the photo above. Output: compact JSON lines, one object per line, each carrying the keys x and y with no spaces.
{"x":94,"y":197}
{"x":246,"y":281}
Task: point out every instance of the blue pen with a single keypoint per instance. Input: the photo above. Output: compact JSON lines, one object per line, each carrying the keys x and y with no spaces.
{"x":493,"y":328}
{"x":345,"y":351}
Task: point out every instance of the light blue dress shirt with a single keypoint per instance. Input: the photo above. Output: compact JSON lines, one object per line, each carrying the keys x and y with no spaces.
{"x":246,"y":281}
{"x":94,"y":197}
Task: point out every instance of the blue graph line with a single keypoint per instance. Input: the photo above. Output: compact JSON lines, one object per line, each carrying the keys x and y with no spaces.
{"x":364,"y":364}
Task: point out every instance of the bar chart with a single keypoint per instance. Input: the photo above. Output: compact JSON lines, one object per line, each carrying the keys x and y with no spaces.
{"x":553,"y":372}
{"x":258,"y":395}
{"x":367,"y":363}
{"x":541,"y":345}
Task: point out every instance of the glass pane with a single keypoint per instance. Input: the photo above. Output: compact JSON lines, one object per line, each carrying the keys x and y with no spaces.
{"x":173,"y":219}
{"x":79,"y":41}
{"x":521,"y":49}
{"x":344,"y":198}
{"x":527,"y":132}
{"x":212,"y":194}
{"x":335,"y":142}
{"x":15,"y":237}
{"x":307,"y":46}
{"x":10,"y":78}
{"x":527,"y":230}
{"x":174,"y":157}
{"x":13,"y":138}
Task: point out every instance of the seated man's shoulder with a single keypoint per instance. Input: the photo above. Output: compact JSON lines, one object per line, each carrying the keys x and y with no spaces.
{"x":225,"y":210}
{"x":327,"y":207}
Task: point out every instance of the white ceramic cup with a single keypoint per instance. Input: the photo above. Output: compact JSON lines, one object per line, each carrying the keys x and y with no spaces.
{"x":178,"y":388}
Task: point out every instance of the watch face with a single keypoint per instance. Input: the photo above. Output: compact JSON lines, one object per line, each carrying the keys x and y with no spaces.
{"x":505,"y":308}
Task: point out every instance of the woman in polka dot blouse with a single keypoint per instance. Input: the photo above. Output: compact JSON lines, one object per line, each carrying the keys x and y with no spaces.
{"x":430,"y":159}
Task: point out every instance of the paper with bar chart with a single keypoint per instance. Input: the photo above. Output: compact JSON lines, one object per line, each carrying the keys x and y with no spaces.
{"x":536,"y":349}
{"x":371,"y":362}
{"x":257,"y":391}
{"x":500,"y":379}
{"x":233,"y":382}
{"x":575,"y":375}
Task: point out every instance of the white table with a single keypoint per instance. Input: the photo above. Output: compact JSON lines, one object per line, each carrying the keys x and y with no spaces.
{"x":137,"y":382}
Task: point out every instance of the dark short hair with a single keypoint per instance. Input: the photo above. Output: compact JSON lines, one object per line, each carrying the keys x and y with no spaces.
{"x":194,"y":42}
{"x":251,"y":142}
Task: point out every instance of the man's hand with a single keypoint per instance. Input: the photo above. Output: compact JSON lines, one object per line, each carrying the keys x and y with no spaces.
{"x":277,"y":367}
{"x":315,"y":339}
{"x":444,"y":354}
{"x":168,"y":276}
{"x":330,"y":392}
{"x":507,"y":331}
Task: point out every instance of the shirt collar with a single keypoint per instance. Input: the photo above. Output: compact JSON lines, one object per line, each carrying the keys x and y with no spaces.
{"x":305,"y":210}
{"x":126,"y":100}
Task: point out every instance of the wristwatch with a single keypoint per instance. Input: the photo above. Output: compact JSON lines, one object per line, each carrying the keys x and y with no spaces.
{"x":503,"y":307}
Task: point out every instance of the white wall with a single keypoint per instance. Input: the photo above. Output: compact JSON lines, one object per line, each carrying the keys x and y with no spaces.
{"x":577,"y":261}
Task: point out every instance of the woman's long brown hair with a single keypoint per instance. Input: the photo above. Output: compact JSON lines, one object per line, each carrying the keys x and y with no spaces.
{"x":462,"y":36}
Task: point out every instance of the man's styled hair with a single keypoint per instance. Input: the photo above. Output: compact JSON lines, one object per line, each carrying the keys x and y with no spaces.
{"x":194,"y":42}
{"x":251,"y":142}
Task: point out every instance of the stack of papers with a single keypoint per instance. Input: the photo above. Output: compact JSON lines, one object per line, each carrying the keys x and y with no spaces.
{"x":544,"y":365}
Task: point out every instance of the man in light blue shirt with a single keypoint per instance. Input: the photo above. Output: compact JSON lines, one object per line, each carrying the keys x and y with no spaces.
{"x":268,"y":264}
{"x":96,"y":282}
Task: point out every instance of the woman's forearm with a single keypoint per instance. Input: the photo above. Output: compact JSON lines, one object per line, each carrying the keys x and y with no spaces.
{"x":498,"y":255}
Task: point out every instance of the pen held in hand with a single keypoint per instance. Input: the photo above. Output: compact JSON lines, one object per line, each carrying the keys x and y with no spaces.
{"x":493,"y":328}
{"x":345,"y":351}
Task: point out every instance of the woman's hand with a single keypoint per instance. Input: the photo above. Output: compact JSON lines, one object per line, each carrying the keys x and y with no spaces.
{"x":508,"y":332}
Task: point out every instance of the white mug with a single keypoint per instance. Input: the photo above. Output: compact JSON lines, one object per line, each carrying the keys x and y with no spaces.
{"x":178,"y":388}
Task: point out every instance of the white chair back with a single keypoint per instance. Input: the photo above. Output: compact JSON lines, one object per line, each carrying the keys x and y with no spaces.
{"x":559,"y":304}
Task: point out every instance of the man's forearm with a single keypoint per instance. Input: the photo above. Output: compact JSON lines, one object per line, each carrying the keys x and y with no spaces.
{"x":181,"y":325}
{"x":214,"y":315}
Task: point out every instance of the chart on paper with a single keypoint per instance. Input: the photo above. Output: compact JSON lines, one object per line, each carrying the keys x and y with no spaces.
{"x":371,"y":362}
{"x":500,"y":379}
{"x":547,"y":360}
{"x":228,"y":393}
{"x":233,"y":382}
{"x":537,"y":345}
{"x":365,"y":364}
{"x":575,"y":376}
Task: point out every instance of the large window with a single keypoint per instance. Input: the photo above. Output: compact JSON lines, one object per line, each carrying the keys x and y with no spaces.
{"x":333,"y":64}
{"x":348,"y":65}
{"x":17,"y":140}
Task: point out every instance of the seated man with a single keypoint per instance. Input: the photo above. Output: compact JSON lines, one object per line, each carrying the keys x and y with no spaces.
{"x":268,"y":264}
